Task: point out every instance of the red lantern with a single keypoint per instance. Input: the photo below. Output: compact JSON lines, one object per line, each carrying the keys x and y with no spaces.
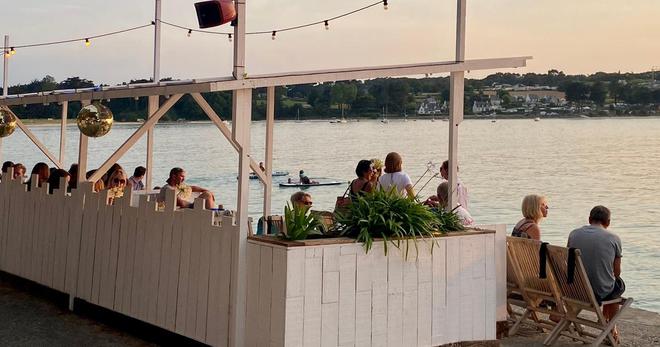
{"x":215,"y":12}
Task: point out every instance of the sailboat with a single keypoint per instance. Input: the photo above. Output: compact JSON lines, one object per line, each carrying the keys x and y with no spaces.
{"x":384,"y":120}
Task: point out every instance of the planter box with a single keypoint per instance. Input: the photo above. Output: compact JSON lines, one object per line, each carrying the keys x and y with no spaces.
{"x":329,"y":292}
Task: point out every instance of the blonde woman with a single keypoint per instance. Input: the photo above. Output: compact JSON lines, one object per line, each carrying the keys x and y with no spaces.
{"x":395,"y":177}
{"x":116,"y":184}
{"x":534,"y":208}
{"x":378,"y":170}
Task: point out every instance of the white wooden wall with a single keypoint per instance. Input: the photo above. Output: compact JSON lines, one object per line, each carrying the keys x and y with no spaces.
{"x":168,"y":268}
{"x":336,"y":295}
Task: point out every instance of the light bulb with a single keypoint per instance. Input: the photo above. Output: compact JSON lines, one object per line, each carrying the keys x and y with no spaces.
{"x":87,"y":42}
{"x":384,"y":4}
{"x":229,"y":37}
{"x":327,"y":26}
{"x":189,"y":32}
{"x":273,"y":36}
{"x":12,"y":51}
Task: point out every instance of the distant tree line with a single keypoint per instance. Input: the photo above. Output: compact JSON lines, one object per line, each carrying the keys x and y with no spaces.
{"x":360,"y":98}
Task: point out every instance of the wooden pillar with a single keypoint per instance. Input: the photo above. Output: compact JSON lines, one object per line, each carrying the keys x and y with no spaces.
{"x":457,"y":91}
{"x":5,"y":77}
{"x":65,"y":109}
{"x":152,"y":108}
{"x":82,"y":152}
{"x":268,"y":161}
{"x":241,"y":119}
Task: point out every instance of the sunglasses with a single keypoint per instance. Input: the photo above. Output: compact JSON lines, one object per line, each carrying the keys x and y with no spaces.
{"x":308,"y":203}
{"x":119,"y":181}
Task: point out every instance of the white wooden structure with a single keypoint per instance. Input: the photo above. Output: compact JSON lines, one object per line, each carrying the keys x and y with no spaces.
{"x":92,"y":214}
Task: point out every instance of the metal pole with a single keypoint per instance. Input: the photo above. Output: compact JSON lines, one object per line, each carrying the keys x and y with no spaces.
{"x":5,"y":79}
{"x":153,"y":107}
{"x":241,"y":118}
{"x":65,"y":109}
{"x":457,"y":91}
{"x":82,"y":152}
{"x":157,"y":42}
{"x":270,"y":119}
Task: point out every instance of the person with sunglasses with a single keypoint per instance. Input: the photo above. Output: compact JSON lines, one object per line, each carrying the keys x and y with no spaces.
{"x":302,"y":199}
{"x":116,"y":183}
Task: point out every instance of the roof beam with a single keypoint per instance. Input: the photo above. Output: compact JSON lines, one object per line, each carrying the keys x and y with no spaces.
{"x":271,"y":80}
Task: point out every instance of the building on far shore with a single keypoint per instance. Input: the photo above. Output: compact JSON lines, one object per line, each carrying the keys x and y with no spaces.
{"x":431,"y":106}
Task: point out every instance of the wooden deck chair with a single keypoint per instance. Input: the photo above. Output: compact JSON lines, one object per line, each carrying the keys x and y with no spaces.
{"x":537,"y":292}
{"x":514,"y":297}
{"x":578,"y":296}
{"x":326,"y":217}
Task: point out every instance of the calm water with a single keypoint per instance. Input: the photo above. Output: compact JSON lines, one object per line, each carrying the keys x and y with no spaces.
{"x":575,"y":163}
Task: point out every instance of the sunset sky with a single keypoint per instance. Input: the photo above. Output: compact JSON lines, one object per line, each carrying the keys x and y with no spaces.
{"x":582,"y":36}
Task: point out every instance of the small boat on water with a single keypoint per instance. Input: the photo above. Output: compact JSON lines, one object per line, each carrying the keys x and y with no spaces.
{"x":254,"y":176}
{"x":314,"y":184}
{"x":537,"y":119}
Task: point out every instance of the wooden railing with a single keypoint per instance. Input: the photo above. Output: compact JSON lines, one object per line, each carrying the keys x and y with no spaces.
{"x":170,"y":268}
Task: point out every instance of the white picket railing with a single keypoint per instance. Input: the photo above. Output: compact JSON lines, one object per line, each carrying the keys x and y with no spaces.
{"x":169,"y":268}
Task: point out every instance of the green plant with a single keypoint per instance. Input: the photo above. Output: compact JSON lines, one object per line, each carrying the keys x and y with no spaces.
{"x":447,"y":221}
{"x":300,"y":224}
{"x":387,"y":215}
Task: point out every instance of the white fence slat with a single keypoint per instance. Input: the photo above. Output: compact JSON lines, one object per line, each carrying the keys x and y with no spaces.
{"x":439,"y":269}
{"x":265,"y":272}
{"x":278,"y":310}
{"x":166,"y":263}
{"x":478,"y":287}
{"x":424,"y":314}
{"x":312,"y":309}
{"x":466,"y":266}
{"x":138,"y":306}
{"x":252,"y":304}
{"x":61,"y":241}
{"x":379,"y":296}
{"x":154,"y":241}
{"x":217,"y":330}
{"x":75,"y":211}
{"x":295,"y":272}
{"x":109,"y":277}
{"x":184,"y":278}
{"x":87,"y":244}
{"x":491,"y":295}
{"x":410,"y":293}
{"x":329,"y":327}
{"x":347,"y":273}
{"x":174,"y":271}
{"x":204,"y":269}
{"x":452,"y":285}
{"x":362,"y":318}
{"x":101,"y":247}
{"x":126,"y":258}
{"x":394,"y":297}
{"x":293,"y":323}
{"x":193,"y":274}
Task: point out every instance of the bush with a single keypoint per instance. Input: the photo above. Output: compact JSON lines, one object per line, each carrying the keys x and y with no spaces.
{"x":387,"y":215}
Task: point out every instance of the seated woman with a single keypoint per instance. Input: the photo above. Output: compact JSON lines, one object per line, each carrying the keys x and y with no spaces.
{"x":98,"y":185}
{"x":42,"y":171}
{"x":534,"y":208}
{"x":116,"y":184}
{"x":363,"y":183}
{"x":54,"y":180}
{"x":183,"y":192}
{"x":443,"y":200}
{"x":395,"y":178}
{"x":19,"y":171}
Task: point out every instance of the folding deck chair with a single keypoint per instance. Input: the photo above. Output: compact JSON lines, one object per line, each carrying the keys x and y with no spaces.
{"x":514,"y":297}
{"x":578,"y":296}
{"x":537,"y":292}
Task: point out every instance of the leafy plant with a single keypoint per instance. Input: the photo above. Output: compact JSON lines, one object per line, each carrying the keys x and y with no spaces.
{"x":387,"y":215}
{"x":300,"y":224}
{"x":448,"y":221}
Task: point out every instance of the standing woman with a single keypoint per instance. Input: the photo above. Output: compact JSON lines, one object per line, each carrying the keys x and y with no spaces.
{"x":395,"y":177}
{"x":534,"y":208}
{"x":362,"y":184}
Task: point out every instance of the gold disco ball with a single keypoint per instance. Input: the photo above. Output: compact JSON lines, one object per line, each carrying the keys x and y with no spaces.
{"x":95,"y":120}
{"x":7,"y":123}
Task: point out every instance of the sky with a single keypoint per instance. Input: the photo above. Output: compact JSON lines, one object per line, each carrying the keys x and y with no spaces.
{"x":577,"y":37}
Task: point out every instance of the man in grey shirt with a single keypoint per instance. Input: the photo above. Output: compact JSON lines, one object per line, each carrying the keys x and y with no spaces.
{"x":601,"y":255}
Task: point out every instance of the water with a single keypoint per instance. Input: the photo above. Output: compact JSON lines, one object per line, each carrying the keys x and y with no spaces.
{"x":576,"y":163}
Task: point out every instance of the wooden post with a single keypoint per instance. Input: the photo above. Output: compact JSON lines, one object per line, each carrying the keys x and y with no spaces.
{"x":5,"y":78}
{"x":268,"y":161}
{"x":152,"y":108}
{"x":65,"y":109}
{"x":157,"y":23}
{"x":457,"y":91}
{"x":82,"y":151}
{"x":241,"y":119}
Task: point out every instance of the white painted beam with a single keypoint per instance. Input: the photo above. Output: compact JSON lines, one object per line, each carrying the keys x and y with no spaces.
{"x":83,"y":142}
{"x":152,"y":107}
{"x":260,"y":81}
{"x":149,"y":124}
{"x":65,"y":109}
{"x":268,"y":160}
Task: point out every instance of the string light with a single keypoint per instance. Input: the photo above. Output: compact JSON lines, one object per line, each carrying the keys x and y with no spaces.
{"x":384,"y":4}
{"x":229,"y":36}
{"x":327,"y":26}
{"x":273,"y":36}
{"x":87,"y":42}
{"x":189,"y":32}
{"x":12,"y":51}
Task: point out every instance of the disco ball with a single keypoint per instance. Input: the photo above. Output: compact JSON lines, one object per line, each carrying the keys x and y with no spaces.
{"x":95,"y":120}
{"x":7,"y":123}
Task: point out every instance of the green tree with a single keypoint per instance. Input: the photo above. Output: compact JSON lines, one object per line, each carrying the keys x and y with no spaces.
{"x":577,"y":91}
{"x":343,"y":93}
{"x":598,"y":93}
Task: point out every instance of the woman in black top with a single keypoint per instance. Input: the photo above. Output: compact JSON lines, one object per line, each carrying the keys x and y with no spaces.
{"x":363,"y":183}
